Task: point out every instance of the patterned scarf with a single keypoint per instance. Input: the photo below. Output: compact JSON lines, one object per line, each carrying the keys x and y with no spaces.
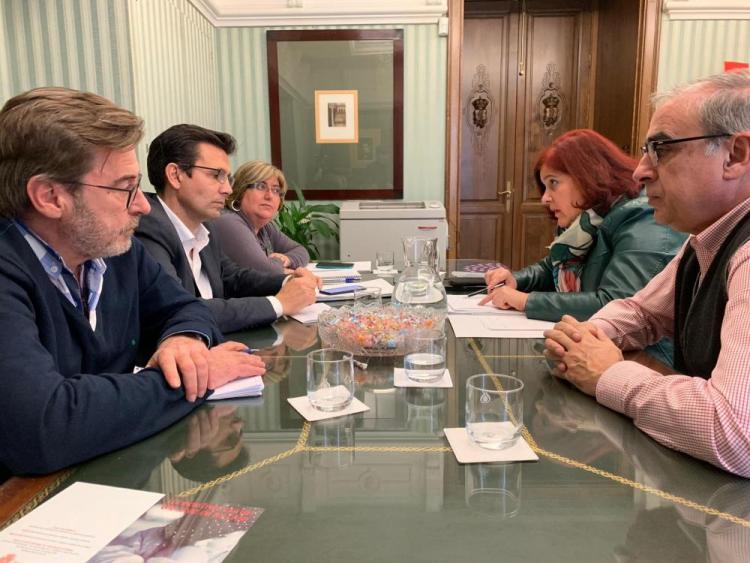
{"x":569,"y":249}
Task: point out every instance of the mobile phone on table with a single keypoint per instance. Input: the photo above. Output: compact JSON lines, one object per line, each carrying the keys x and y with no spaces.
{"x":334,"y":265}
{"x":340,"y":289}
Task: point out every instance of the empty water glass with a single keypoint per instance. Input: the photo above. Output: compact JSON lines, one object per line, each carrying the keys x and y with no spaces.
{"x":424,"y":360}
{"x":494,"y":410}
{"x":330,"y":379}
{"x":384,"y":263}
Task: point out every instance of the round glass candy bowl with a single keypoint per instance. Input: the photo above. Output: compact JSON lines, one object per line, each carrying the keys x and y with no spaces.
{"x":374,"y":331}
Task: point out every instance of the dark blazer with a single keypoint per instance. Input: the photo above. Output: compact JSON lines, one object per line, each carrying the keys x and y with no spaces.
{"x":69,"y":392}
{"x":238,"y":301}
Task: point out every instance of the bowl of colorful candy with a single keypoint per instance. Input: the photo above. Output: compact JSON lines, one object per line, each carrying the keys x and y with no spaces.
{"x":374,"y":331}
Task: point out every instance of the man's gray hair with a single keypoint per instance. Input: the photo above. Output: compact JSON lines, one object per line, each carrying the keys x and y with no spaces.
{"x":725,"y":108}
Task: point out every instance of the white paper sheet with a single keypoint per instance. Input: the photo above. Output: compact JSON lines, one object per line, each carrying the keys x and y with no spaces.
{"x":490,"y":326}
{"x":386,"y":290}
{"x":75,"y":524}
{"x":244,"y":387}
{"x":310,"y":314}
{"x":465,"y":305}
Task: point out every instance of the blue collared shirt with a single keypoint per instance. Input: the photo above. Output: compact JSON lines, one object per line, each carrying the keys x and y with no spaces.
{"x":83,"y":292}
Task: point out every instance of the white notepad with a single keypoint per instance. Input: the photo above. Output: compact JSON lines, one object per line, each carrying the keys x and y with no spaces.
{"x":244,"y":387}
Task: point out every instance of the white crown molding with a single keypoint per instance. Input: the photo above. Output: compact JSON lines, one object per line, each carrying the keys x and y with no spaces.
{"x":707,"y":9}
{"x":281,"y":13}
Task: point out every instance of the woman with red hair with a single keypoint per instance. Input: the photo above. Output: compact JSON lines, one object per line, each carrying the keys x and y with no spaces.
{"x":607,"y":245}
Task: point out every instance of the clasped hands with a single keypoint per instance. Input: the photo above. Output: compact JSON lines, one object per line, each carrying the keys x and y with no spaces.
{"x":506,"y":296}
{"x":186,"y":360}
{"x":581,"y":352}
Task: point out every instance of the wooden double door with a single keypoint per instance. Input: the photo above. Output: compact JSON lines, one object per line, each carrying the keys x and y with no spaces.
{"x":526,"y":77}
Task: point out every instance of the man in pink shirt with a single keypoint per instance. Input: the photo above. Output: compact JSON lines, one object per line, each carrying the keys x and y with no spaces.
{"x":696,"y":169}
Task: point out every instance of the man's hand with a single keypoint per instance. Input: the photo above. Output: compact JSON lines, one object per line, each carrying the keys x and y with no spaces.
{"x":230,"y":361}
{"x":498,"y":275}
{"x":507,"y":298}
{"x":297,"y":293}
{"x":584,"y":351}
{"x":282,"y":258}
{"x":183,"y":359}
{"x":310,"y":279}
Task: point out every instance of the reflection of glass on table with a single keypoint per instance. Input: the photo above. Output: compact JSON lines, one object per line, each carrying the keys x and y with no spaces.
{"x":425,"y":409}
{"x":494,"y":488}
{"x":332,"y":434}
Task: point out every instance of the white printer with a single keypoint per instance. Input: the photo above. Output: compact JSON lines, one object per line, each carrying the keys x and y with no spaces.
{"x":369,"y":226}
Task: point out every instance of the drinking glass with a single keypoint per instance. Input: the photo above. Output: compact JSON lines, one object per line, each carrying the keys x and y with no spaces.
{"x":330,"y":379}
{"x":494,"y":410}
{"x":424,"y":360}
{"x":384,"y":263}
{"x":367,"y":297}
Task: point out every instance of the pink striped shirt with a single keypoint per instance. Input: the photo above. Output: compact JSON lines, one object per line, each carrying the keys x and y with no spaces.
{"x":708,"y":419}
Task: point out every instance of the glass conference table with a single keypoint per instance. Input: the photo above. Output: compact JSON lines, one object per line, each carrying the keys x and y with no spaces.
{"x":384,"y":486}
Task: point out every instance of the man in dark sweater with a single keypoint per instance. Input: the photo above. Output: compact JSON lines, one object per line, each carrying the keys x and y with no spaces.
{"x":80,"y":299}
{"x":696,"y":169}
{"x":188,"y":166}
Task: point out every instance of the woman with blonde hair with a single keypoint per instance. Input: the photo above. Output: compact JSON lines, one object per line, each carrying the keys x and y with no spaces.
{"x":248,"y":235}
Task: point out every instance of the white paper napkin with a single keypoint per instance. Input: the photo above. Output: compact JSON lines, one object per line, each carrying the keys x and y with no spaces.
{"x":400,"y":379}
{"x":311,"y":414}
{"x":466,"y":451}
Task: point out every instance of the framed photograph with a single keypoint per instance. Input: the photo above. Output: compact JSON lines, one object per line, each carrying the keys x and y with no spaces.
{"x":336,"y":116}
{"x":336,"y":107}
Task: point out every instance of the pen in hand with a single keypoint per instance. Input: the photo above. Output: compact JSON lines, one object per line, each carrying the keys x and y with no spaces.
{"x":487,"y":289}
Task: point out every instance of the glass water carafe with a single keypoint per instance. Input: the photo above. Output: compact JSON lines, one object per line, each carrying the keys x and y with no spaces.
{"x":419,"y":284}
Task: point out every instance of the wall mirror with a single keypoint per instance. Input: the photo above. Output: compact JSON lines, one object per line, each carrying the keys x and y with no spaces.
{"x":336,"y":111}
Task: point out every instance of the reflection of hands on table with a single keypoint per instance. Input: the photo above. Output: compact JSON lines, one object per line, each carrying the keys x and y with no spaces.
{"x":298,"y":336}
{"x":582,"y":352}
{"x":216,"y":429}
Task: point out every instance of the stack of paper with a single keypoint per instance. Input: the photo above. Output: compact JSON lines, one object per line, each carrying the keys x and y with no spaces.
{"x":244,"y":387}
{"x":331,"y":277}
{"x":386,"y":290}
{"x":360,"y":266}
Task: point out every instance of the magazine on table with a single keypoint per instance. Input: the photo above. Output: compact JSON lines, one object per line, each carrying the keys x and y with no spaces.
{"x":98,"y":523}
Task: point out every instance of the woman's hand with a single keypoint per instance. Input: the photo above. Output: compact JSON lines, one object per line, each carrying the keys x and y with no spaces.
{"x":500,"y":275}
{"x":505,"y":297}
{"x":282,"y":258}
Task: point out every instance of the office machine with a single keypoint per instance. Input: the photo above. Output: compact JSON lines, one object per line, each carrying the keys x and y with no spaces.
{"x":369,"y":226}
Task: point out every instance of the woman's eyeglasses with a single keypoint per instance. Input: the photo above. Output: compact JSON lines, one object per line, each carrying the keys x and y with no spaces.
{"x":263,"y":187}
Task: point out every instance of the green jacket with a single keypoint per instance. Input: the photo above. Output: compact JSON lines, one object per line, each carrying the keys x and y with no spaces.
{"x":629,"y":250}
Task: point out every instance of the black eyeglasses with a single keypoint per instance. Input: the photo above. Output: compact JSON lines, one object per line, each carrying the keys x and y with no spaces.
{"x":263,"y":187}
{"x":131,"y":190}
{"x":651,"y":148}
{"x":219,"y":174}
